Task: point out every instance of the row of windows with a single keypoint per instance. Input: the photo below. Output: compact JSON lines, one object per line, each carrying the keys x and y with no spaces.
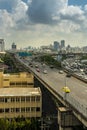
{"x":22,"y":99}
{"x":6,"y":79}
{"x":20,"y":83}
{"x":23,"y":109}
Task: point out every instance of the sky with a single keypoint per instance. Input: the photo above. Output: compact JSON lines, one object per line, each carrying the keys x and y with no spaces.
{"x":41,"y":22}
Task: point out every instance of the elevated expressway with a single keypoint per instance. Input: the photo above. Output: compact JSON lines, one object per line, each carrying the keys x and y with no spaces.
{"x":54,"y":81}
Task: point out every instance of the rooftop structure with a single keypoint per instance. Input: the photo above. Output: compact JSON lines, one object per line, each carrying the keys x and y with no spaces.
{"x":19,"y":92}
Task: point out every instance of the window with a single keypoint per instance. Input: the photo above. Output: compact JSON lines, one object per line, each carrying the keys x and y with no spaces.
{"x":18,"y":83}
{"x":22,"y":99}
{"x":24,"y":83}
{"x":7,"y":110}
{"x":23,"y":109}
{"x":6,"y":79}
{"x":37,"y":108}
{"x":17,"y":99}
{"x":17,"y":109}
{"x":38,"y":98}
{"x":5,"y":99}
{"x":1,"y":110}
{"x":1,"y":99}
{"x":30,"y":83}
{"x":33,"y":98}
{"x":32,"y":109}
{"x":12,"y":83}
{"x":27,"y":109}
{"x":12,"y":109}
{"x":27,"y":98}
{"x":12,"y":99}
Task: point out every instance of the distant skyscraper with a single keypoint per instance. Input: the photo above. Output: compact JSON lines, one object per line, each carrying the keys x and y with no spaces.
{"x":13,"y":46}
{"x":62,"y":43}
{"x":56,"y":45}
{"x":2,"y":48}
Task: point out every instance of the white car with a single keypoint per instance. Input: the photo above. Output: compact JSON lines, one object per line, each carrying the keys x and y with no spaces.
{"x":45,"y":71}
{"x":61,"y":72}
{"x":36,"y":66}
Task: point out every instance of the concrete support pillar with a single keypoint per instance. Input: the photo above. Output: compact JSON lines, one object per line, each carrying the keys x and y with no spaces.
{"x":66,"y":119}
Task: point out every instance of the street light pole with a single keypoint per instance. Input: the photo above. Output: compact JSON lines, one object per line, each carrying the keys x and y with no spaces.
{"x":66,"y":91}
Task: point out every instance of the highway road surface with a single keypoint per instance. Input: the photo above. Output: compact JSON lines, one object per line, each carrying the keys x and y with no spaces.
{"x":78,"y":89}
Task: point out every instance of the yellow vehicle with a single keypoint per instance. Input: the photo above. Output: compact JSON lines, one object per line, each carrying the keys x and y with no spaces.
{"x":66,"y":89}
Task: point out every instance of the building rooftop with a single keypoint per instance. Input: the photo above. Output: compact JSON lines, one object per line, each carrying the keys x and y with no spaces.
{"x":19,"y":91}
{"x":19,"y":75}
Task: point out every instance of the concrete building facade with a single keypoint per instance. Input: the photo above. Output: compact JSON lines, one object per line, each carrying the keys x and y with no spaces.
{"x":14,"y":47}
{"x":21,"y":79}
{"x":62,"y":43}
{"x":20,"y":102}
{"x":18,"y":96}
{"x":56,"y":45}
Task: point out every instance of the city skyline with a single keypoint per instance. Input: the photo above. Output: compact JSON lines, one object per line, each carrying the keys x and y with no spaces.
{"x":36,"y":23}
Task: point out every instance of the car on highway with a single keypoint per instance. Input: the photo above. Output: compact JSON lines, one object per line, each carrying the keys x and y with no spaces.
{"x":38,"y":70}
{"x":68,"y":75}
{"x":36,"y":66}
{"x":66,"y":89}
{"x":30,"y":64}
{"x":61,"y":71}
{"x":51,"y":66}
{"x":45,"y":71}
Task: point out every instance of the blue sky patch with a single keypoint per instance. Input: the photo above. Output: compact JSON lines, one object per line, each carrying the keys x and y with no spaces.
{"x":77,"y":2}
{"x":6,"y":6}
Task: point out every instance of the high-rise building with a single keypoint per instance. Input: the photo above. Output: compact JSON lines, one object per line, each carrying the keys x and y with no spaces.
{"x":2,"y":45}
{"x":56,"y":45}
{"x":62,"y":43}
{"x":14,"y":47}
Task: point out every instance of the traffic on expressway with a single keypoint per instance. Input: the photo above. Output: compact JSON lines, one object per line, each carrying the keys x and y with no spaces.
{"x":58,"y":79}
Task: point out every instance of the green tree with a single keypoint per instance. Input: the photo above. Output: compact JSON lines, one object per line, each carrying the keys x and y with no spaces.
{"x":50,"y":61}
{"x":4,"y":124}
{"x":13,"y":125}
{"x":20,"y":125}
{"x":27,"y":124}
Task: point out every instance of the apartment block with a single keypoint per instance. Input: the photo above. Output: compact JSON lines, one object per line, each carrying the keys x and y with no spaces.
{"x":20,"y":102}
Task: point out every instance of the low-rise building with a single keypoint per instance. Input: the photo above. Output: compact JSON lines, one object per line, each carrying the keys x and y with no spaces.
{"x":21,"y":79}
{"x":20,"y":102}
{"x":18,"y":96}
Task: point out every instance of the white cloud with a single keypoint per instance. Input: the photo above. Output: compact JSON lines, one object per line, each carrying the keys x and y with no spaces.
{"x":85,"y":8}
{"x":45,"y":12}
{"x":73,"y":13}
{"x":19,"y":12}
{"x":43,"y":19}
{"x":5,"y":19}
